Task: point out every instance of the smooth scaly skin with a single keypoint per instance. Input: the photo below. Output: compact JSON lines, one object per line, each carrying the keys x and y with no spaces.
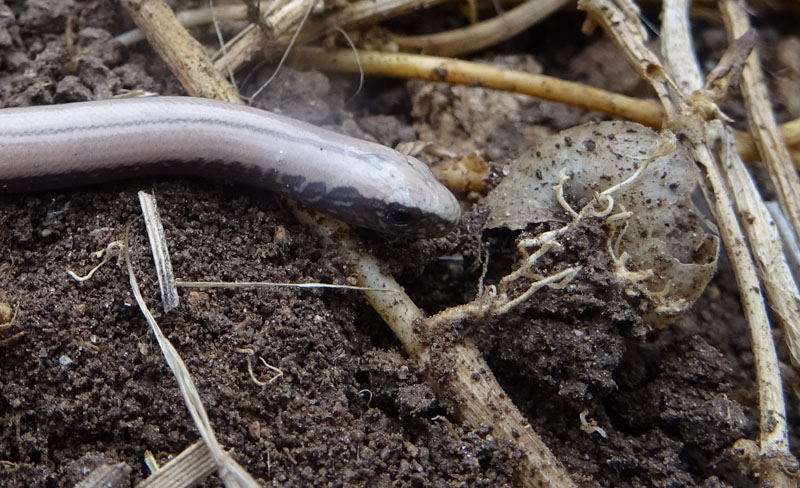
{"x":361,"y":182}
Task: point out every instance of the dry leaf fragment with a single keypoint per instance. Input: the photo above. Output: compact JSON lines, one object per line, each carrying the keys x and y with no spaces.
{"x":655,"y":236}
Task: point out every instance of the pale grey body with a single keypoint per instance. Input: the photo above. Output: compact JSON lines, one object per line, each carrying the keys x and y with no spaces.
{"x":362,"y":182}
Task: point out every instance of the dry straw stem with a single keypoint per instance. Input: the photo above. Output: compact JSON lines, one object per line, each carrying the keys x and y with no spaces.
{"x":774,"y":152}
{"x":249,"y":44}
{"x":432,"y":68}
{"x":189,"y":468}
{"x":732,"y":191}
{"x":483,"y":34}
{"x":182,"y":53}
{"x":459,"y":72}
{"x":773,"y":267}
{"x":708,"y":141}
{"x":158,"y":244}
{"x":196,"y":17}
{"x":790,"y":131}
{"x":458,"y":374}
{"x":279,"y":19}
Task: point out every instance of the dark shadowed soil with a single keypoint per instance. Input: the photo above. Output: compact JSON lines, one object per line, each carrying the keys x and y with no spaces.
{"x":87,"y":384}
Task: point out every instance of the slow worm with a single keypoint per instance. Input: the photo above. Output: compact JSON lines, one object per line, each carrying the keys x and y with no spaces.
{"x":363,"y":183}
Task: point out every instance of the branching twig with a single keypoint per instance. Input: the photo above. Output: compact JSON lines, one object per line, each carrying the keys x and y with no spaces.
{"x":687,"y":107}
{"x":469,"y":387}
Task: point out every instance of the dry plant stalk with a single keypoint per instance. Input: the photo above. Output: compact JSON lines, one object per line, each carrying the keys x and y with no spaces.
{"x":182,"y":53}
{"x":196,"y":17}
{"x":457,"y":373}
{"x":483,"y":34}
{"x":249,"y":44}
{"x":692,"y":114}
{"x":457,"y":72}
{"x":771,"y":146}
{"x":272,"y":24}
{"x":431,"y":68}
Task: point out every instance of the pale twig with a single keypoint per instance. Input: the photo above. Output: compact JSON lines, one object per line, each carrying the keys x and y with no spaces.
{"x":471,"y":389}
{"x":457,"y":72}
{"x":183,"y":54}
{"x":483,"y":34}
{"x":194,"y":18}
{"x":774,"y":152}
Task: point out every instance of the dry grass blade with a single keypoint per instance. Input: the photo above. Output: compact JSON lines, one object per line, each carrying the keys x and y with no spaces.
{"x":160,"y":251}
{"x":231,"y":473}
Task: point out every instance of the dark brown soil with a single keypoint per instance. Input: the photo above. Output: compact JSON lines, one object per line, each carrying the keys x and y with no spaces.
{"x":87,"y":384}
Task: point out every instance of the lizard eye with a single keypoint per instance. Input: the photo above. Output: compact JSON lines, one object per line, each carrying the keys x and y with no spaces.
{"x":399,"y":218}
